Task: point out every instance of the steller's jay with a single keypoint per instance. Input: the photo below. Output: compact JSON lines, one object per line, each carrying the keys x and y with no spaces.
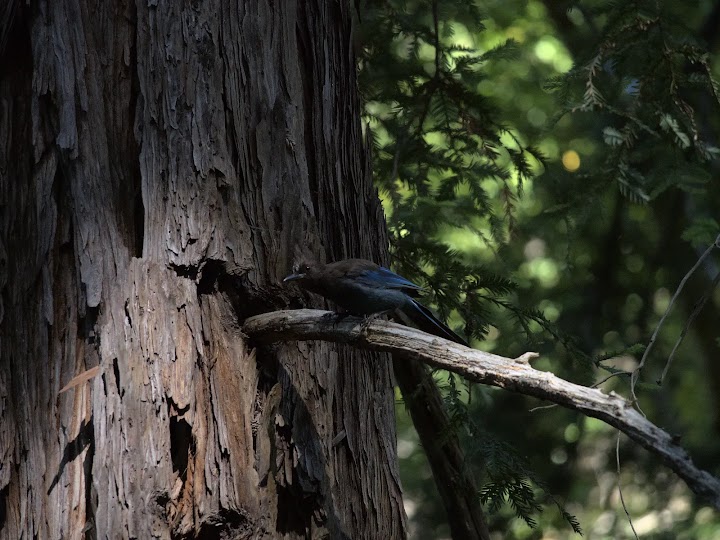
{"x":364,"y":288}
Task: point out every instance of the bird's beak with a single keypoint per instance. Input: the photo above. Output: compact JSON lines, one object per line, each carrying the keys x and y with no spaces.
{"x":293,"y":277}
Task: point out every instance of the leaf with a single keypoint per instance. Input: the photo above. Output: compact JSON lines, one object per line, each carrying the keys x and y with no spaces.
{"x":670,"y":125}
{"x":702,"y":232}
{"x":612,"y":136}
{"x":632,"y":88}
{"x":708,"y":151}
{"x":507,"y":51}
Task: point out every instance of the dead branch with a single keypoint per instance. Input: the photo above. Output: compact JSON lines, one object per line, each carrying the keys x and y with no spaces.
{"x":512,"y":374}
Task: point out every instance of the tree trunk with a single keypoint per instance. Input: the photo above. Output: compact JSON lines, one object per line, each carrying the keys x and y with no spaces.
{"x":161,"y":165}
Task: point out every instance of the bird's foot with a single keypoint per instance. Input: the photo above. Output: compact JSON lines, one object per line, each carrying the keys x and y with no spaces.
{"x":368,"y":319}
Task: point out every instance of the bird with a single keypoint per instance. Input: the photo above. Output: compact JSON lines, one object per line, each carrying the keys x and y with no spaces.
{"x":362,"y":287}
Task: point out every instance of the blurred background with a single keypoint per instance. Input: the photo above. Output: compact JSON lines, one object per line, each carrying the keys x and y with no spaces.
{"x":549,"y":172}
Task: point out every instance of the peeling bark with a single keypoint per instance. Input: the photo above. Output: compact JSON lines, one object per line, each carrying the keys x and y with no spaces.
{"x":161,"y":165}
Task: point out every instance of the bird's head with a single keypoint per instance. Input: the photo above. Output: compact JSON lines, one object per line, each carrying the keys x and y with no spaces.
{"x":302,"y":270}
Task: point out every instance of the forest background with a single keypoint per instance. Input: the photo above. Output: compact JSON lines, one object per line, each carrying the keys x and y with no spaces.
{"x":549,"y":174}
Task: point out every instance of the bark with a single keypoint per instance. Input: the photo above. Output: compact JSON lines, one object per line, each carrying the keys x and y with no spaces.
{"x":161,"y":165}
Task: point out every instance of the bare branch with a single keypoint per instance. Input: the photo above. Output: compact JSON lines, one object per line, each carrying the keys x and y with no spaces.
{"x":636,"y":373}
{"x":619,"y":486}
{"x":696,"y":310}
{"x":486,"y":368}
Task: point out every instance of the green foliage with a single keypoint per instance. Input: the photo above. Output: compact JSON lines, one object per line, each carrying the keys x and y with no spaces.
{"x":508,"y":478}
{"x":551,"y":221}
{"x":443,"y":159}
{"x":441,"y":156}
{"x":649,"y":78}
{"x":702,"y":232}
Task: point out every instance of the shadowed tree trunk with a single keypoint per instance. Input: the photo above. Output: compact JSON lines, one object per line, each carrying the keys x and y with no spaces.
{"x":161,"y":165}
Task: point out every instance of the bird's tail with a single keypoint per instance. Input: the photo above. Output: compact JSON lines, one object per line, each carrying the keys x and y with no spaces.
{"x":417,"y":315}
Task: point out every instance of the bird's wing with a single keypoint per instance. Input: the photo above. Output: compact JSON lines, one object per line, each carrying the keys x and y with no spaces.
{"x":382,"y":277}
{"x":424,"y":319}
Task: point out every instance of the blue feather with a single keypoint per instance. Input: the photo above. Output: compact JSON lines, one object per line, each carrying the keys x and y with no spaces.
{"x":364,"y":288}
{"x":386,"y":279}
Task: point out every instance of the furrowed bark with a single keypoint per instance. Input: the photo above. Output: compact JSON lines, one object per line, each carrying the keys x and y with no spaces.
{"x":160,"y":165}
